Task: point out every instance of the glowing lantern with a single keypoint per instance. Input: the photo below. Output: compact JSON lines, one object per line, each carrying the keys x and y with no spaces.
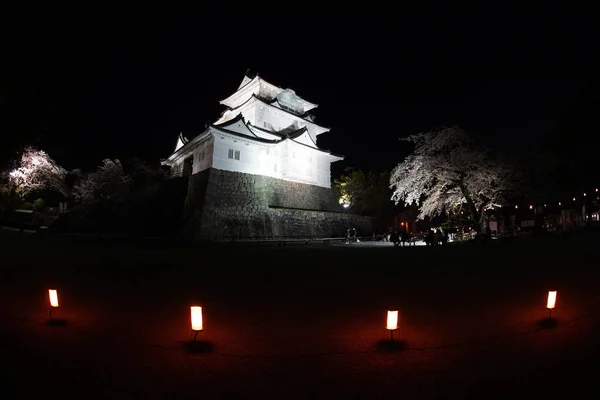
{"x":573,"y":198}
{"x":531,"y":207}
{"x":196,"y":318}
{"x":596,"y":189}
{"x":53,"y":297}
{"x":392,"y":320}
{"x":516,"y":207}
{"x":585,"y":194}
{"x":559,"y":203}
{"x":551,"y":300}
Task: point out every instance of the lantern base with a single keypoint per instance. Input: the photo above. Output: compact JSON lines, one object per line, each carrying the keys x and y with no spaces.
{"x":548,"y":323}
{"x":390,"y":346}
{"x":199,"y":346}
{"x":56,"y":322}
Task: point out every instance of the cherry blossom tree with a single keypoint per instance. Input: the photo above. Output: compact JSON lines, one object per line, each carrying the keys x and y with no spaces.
{"x":37,"y":171}
{"x":108,"y":182}
{"x":447,"y":171}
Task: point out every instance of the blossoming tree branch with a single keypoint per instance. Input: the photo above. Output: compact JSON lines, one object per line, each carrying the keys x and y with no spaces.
{"x":448,"y":172}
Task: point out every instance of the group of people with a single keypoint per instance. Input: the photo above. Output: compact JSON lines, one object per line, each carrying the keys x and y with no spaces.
{"x":351,"y":235}
{"x":435,"y":237}
{"x":403,"y":238}
{"x":432,"y":237}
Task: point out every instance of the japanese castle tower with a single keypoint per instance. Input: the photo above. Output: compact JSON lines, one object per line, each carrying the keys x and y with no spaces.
{"x":265,"y":130}
{"x":257,"y":171}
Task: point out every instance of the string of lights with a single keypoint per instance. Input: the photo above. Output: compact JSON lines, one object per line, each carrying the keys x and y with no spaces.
{"x":592,"y":196}
{"x":575,"y":200}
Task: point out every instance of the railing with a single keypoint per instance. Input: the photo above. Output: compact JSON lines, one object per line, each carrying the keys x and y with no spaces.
{"x":282,"y":240}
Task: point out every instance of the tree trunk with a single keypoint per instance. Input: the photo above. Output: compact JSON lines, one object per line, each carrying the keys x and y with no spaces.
{"x":483,"y":222}
{"x":475,"y":215}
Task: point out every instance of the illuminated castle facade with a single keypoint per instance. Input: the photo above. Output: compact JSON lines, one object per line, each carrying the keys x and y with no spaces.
{"x":265,"y":130}
{"x":257,"y":171}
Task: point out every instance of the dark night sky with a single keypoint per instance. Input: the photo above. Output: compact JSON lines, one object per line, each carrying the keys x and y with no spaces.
{"x":525,"y":85}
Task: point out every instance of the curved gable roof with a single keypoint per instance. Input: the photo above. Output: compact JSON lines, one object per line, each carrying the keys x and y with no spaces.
{"x":251,"y":85}
{"x":236,"y":124}
{"x":243,"y":136}
{"x":254,"y":86}
{"x":245,"y":81}
{"x":257,"y":98}
{"x":303,"y":134}
{"x":260,"y":132}
{"x":181,"y":141}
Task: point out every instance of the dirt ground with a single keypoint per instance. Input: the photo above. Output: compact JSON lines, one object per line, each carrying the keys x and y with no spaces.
{"x":298,"y":322}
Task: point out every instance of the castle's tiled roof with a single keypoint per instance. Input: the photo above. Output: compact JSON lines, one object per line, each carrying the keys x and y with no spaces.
{"x":270,"y":104}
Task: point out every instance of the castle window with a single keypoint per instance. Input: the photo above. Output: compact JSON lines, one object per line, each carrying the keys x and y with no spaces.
{"x":233,"y":154}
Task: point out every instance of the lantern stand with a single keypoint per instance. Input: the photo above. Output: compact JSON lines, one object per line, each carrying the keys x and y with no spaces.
{"x":198,"y":346}
{"x":53,"y":294}
{"x":550,"y":322}
{"x":197,"y":325}
{"x":391,"y":335}
{"x":390,"y":344}
{"x":392,"y":322}
{"x":195,"y":334}
{"x":551,"y":302}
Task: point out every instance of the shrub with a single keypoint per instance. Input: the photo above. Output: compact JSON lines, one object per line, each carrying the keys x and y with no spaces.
{"x":39,"y":205}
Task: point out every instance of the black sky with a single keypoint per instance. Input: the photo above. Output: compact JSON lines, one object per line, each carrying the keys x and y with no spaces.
{"x":525,"y":85}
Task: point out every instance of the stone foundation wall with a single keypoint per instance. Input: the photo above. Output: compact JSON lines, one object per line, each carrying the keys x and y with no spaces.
{"x":224,"y":204}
